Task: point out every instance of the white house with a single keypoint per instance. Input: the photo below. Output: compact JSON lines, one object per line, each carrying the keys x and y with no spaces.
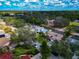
{"x":74,"y":39}
{"x":38,"y":29}
{"x":2,"y":32}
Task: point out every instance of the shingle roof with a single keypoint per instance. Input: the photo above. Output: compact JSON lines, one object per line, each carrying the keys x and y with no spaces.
{"x":25,"y":57}
{"x":6,"y":55}
{"x":4,"y":42}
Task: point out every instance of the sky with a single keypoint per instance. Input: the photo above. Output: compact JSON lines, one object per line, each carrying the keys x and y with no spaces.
{"x":39,"y":5}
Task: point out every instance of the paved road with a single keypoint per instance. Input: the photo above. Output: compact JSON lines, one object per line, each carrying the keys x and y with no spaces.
{"x":38,"y":56}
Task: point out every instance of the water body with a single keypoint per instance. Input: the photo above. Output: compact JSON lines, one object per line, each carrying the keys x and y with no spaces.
{"x":39,"y":5}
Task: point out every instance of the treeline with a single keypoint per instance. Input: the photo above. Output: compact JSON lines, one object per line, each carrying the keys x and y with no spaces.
{"x":46,"y":14}
{"x":39,"y":18}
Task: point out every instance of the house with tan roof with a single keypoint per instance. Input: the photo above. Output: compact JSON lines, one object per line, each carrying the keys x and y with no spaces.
{"x":50,"y":22}
{"x":4,"y":42}
{"x":4,"y":39}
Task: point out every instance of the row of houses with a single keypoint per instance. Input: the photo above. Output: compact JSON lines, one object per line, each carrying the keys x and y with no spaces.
{"x":36,"y":28}
{"x":56,"y":34}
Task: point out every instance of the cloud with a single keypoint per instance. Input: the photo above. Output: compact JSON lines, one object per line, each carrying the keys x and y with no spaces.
{"x":32,"y":0}
{"x":60,"y":4}
{"x":46,"y":3}
{"x":2,"y":0}
{"x":0,"y":4}
{"x":15,"y":0}
{"x":20,"y":4}
{"x":63,"y":4}
{"x":35,"y":0}
{"x":8,"y":3}
{"x":14,"y":4}
{"x":71,"y":4}
{"x":55,"y":2}
{"x":26,"y":1}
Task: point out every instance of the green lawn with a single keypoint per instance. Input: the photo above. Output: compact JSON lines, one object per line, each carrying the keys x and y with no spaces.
{"x":39,"y":38}
{"x":74,"y":23}
{"x":21,"y":50}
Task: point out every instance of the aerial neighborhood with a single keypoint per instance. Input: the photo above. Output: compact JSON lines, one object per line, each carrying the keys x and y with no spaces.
{"x":39,"y":35}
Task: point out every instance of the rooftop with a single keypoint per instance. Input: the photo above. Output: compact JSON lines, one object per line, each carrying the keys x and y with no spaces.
{"x":6,"y":55}
{"x":4,"y":42}
{"x":25,"y":57}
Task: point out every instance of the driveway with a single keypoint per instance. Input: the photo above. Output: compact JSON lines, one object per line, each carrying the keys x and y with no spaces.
{"x":38,"y":56}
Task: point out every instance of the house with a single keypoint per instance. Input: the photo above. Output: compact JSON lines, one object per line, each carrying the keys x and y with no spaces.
{"x":50,"y":22}
{"x":4,"y":39}
{"x":74,"y":39}
{"x":38,"y":29}
{"x":4,"y":42}
{"x":55,"y":35}
{"x":41,"y":29}
{"x":6,"y":55}
{"x":76,"y":21}
{"x":75,"y":56}
{"x":58,"y":22}
{"x":25,"y":57}
{"x":20,"y":14}
{"x":2,"y":23}
{"x":3,"y":34}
